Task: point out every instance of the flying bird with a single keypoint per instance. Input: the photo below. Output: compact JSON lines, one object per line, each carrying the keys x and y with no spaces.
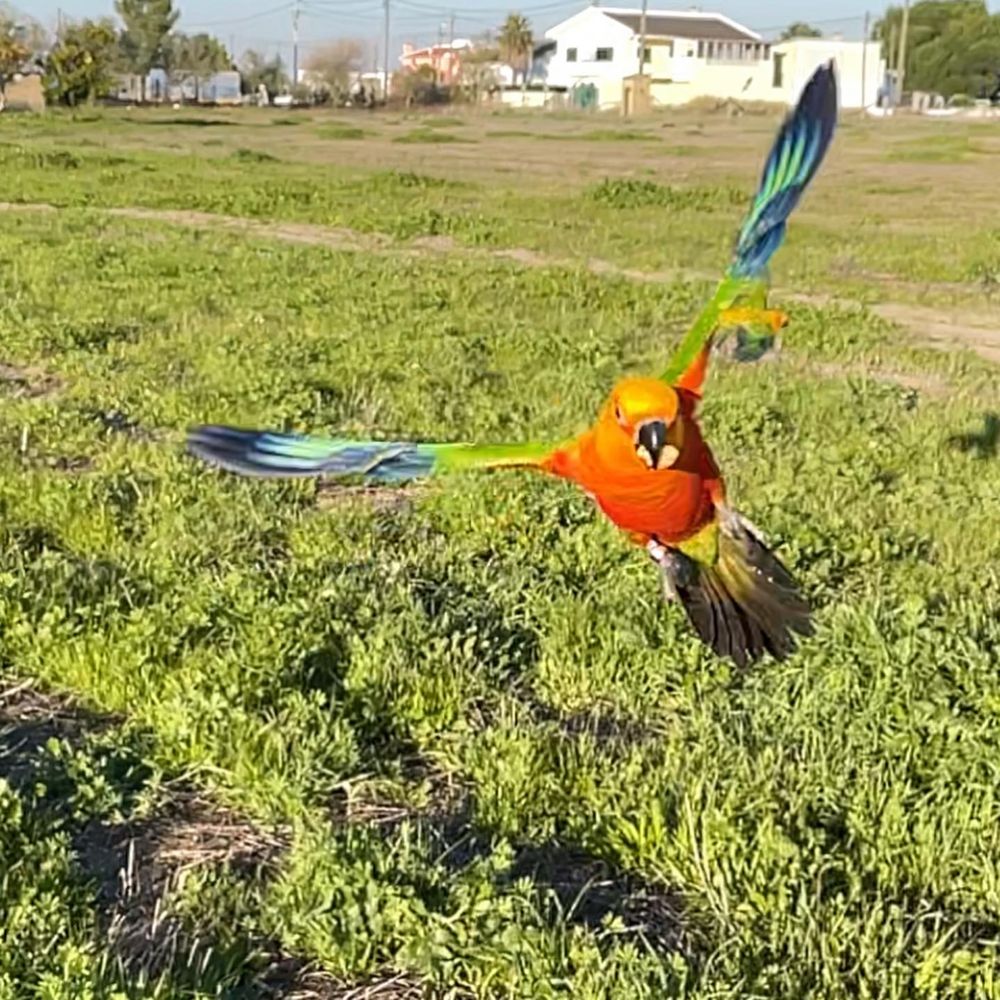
{"x":644,"y":461}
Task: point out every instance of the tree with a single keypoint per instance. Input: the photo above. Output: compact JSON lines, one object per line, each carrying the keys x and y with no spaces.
{"x":79,"y":67}
{"x":417,"y":86}
{"x":148,"y":24}
{"x":517,"y":44}
{"x":14,"y":54}
{"x":799,"y":29}
{"x":953,"y":46}
{"x":195,"y":56}
{"x":255,"y":70}
{"x":29,"y":32}
{"x":478,"y":71}
{"x":335,"y":63}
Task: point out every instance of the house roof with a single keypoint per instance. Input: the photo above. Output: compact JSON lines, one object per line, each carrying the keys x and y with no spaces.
{"x":685,"y":24}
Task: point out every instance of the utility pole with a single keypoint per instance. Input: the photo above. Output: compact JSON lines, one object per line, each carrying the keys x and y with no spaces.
{"x":864,"y":61}
{"x":59,"y":24}
{"x":892,"y":64}
{"x":385,"y":56}
{"x":642,"y":39}
{"x":451,"y":29}
{"x":904,"y":31}
{"x":296,"y":10}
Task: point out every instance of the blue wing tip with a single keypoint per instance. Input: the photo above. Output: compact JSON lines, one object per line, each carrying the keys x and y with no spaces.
{"x":763,"y":231}
{"x":274,"y":454}
{"x":230,"y":448}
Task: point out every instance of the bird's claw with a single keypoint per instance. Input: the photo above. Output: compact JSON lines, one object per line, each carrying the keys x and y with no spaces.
{"x":657,"y":552}
{"x":675,"y":568}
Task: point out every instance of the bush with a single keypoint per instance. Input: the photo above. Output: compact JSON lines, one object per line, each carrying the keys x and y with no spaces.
{"x":627,"y":192}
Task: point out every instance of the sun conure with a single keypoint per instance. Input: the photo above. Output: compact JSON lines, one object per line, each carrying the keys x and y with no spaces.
{"x":644,"y":461}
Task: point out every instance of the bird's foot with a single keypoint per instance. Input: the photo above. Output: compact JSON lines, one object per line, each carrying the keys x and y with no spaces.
{"x":675,"y":568}
{"x":657,"y":552}
{"x":749,"y":315}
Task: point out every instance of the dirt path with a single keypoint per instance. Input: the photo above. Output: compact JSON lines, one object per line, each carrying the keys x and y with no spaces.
{"x":937,"y":328}
{"x":976,"y":331}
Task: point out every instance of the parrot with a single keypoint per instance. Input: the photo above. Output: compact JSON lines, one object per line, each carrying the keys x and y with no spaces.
{"x":644,"y":461}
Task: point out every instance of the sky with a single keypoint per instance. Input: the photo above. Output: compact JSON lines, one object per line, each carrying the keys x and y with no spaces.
{"x":266,"y":25}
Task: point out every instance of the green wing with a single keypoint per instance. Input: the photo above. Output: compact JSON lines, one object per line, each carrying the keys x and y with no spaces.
{"x":277,"y":455}
{"x":796,"y":155}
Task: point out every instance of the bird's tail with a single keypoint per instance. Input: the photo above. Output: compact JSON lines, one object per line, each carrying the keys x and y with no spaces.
{"x":743,"y":602}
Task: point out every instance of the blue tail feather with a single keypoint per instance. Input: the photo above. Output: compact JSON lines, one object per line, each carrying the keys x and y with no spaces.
{"x":798,"y":151}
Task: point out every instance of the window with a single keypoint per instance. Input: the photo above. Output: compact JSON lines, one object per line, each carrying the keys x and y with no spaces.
{"x":571,"y":55}
{"x":647,"y":55}
{"x":701,"y":50}
{"x":779,"y":59}
{"x":604,"y":55}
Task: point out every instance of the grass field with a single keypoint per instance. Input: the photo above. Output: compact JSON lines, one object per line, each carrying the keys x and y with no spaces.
{"x":271,"y":739}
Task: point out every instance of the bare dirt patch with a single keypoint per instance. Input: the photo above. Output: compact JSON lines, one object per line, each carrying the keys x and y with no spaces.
{"x":28,"y":382}
{"x":382,"y":499}
{"x":590,"y":892}
{"x":139,"y":866}
{"x":29,"y":718}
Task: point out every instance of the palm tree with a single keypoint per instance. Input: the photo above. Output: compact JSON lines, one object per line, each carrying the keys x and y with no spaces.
{"x":516,"y":43}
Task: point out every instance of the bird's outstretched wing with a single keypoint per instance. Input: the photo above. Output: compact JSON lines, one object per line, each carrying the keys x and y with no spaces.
{"x":741,"y":297}
{"x":278,"y":455}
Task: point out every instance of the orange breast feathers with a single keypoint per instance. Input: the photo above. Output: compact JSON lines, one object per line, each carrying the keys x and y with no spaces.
{"x":645,"y":463}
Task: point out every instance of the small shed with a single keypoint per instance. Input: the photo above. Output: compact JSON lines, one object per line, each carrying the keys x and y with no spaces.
{"x":636,"y":95}
{"x":24,"y":92}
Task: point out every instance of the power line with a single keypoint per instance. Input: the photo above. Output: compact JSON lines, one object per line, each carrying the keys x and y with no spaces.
{"x":385,"y":57}
{"x":501,"y":11}
{"x":830,"y":20}
{"x":366,"y":16}
{"x":295,"y":43}
{"x":241,"y":20}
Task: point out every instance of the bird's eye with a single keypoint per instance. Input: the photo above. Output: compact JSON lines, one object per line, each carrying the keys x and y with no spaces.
{"x":618,"y":415}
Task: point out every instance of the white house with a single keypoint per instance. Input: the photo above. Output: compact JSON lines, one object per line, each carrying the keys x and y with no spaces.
{"x":693,"y":53}
{"x":860,"y":67}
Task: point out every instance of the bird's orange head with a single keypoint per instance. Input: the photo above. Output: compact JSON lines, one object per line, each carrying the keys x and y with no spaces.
{"x":639,"y":422}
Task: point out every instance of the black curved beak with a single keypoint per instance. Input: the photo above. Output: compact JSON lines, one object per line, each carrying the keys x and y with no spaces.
{"x":650,"y":441}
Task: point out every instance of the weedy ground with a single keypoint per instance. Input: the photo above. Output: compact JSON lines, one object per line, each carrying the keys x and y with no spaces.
{"x":271,"y":739}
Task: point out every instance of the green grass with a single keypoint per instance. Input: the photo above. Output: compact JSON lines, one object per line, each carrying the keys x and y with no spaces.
{"x":429,"y":134}
{"x":486,"y":755}
{"x":338,"y":130}
{"x":244,"y":155}
{"x":441,"y":121}
{"x":942,"y":149}
{"x":510,"y":133}
{"x":601,"y":135}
